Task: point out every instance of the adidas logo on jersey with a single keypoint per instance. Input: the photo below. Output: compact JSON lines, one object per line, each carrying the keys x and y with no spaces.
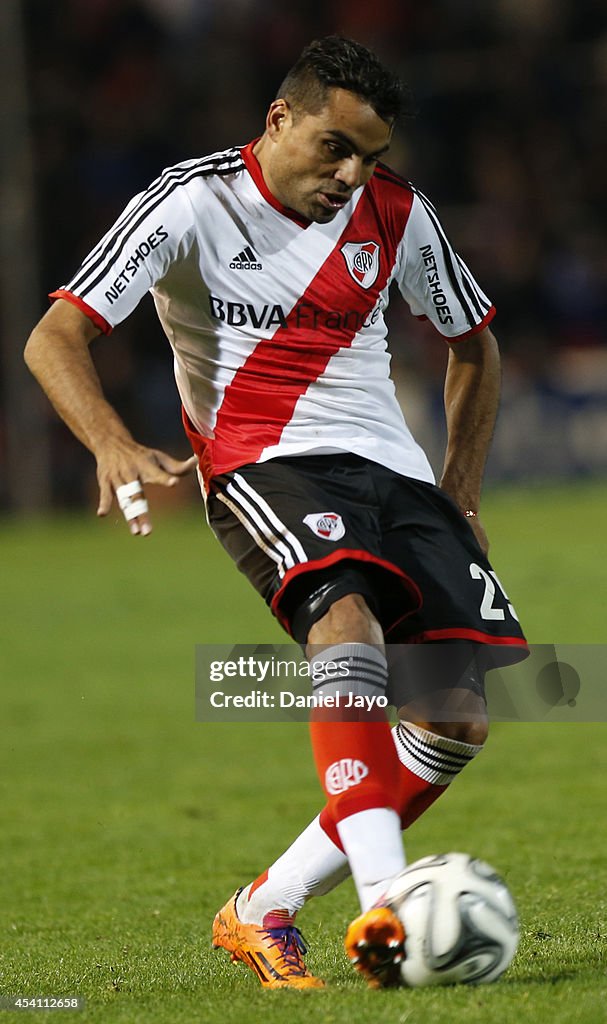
{"x":246,"y":260}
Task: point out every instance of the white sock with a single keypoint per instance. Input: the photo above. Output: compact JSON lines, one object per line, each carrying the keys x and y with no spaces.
{"x":372,"y":841}
{"x":312,"y":866}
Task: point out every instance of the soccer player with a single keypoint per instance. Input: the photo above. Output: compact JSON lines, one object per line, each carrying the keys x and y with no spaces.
{"x":270,"y":266}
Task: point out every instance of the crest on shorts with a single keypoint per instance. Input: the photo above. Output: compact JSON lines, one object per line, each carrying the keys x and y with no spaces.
{"x":362,"y":260}
{"x":327,"y":525}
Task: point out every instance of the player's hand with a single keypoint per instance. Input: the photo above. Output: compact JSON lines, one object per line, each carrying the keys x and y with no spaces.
{"x":122,"y":471}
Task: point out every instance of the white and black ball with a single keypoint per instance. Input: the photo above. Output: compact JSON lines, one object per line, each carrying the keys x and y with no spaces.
{"x":460,"y":921}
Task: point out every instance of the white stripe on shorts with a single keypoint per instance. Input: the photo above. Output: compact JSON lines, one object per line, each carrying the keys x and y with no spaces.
{"x":249,"y":527}
{"x":262,"y":524}
{"x":299,"y":555}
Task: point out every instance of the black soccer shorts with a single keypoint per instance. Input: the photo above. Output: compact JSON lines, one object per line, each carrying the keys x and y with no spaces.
{"x":307,"y":530}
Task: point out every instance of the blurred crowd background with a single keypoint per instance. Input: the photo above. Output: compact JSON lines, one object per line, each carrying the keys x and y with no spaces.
{"x":509,"y":141}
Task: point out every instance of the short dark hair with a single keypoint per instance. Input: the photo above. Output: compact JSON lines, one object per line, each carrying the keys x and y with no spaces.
{"x":339,"y":63}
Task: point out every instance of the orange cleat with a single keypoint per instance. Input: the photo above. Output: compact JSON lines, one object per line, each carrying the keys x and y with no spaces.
{"x":274,"y":951}
{"x":375,"y":944}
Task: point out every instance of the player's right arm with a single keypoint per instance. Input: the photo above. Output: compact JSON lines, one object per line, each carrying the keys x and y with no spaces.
{"x":58,"y":355}
{"x":154,"y":230}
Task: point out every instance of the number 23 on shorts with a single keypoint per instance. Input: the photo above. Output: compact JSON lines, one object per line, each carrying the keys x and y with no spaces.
{"x":488,"y":609}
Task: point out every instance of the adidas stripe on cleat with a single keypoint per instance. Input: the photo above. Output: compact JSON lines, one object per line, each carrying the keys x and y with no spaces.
{"x":274,"y":951}
{"x":375,"y":944}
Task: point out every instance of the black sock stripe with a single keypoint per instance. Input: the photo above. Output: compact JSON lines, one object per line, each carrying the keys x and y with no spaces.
{"x":452,"y":757}
{"x":343,"y":681}
{"x":376,"y":678}
{"x":359,"y":665}
{"x":429,"y":755}
{"x":439,"y":769}
{"x":361,"y":669}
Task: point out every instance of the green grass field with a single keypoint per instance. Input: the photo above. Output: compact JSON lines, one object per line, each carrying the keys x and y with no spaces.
{"x":126,"y":824}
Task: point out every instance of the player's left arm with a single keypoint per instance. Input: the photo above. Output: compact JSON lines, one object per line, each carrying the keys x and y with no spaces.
{"x":472,"y":389}
{"x":438,"y":286}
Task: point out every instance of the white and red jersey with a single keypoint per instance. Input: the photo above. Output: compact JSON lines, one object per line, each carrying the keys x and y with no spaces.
{"x":276,"y":323}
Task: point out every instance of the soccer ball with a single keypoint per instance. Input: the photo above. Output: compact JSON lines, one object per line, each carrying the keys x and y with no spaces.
{"x":459,"y":918}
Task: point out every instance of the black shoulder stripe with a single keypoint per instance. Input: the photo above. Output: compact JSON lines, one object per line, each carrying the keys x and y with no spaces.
{"x":384,"y":169}
{"x":399,"y":182}
{"x":217,"y":160}
{"x":448,"y":255}
{"x":482,"y":304}
{"x":475,"y":299}
{"x":159,"y":189}
{"x":154,"y":189}
{"x":103,"y":257}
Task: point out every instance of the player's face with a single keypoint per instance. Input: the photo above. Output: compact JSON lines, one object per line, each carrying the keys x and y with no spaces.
{"x":314,"y":163}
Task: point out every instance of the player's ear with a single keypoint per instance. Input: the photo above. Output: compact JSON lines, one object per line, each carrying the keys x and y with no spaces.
{"x":279,"y":117}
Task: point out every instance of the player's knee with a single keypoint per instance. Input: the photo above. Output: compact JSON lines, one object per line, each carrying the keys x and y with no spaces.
{"x":348,"y":620}
{"x":474,"y":732}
